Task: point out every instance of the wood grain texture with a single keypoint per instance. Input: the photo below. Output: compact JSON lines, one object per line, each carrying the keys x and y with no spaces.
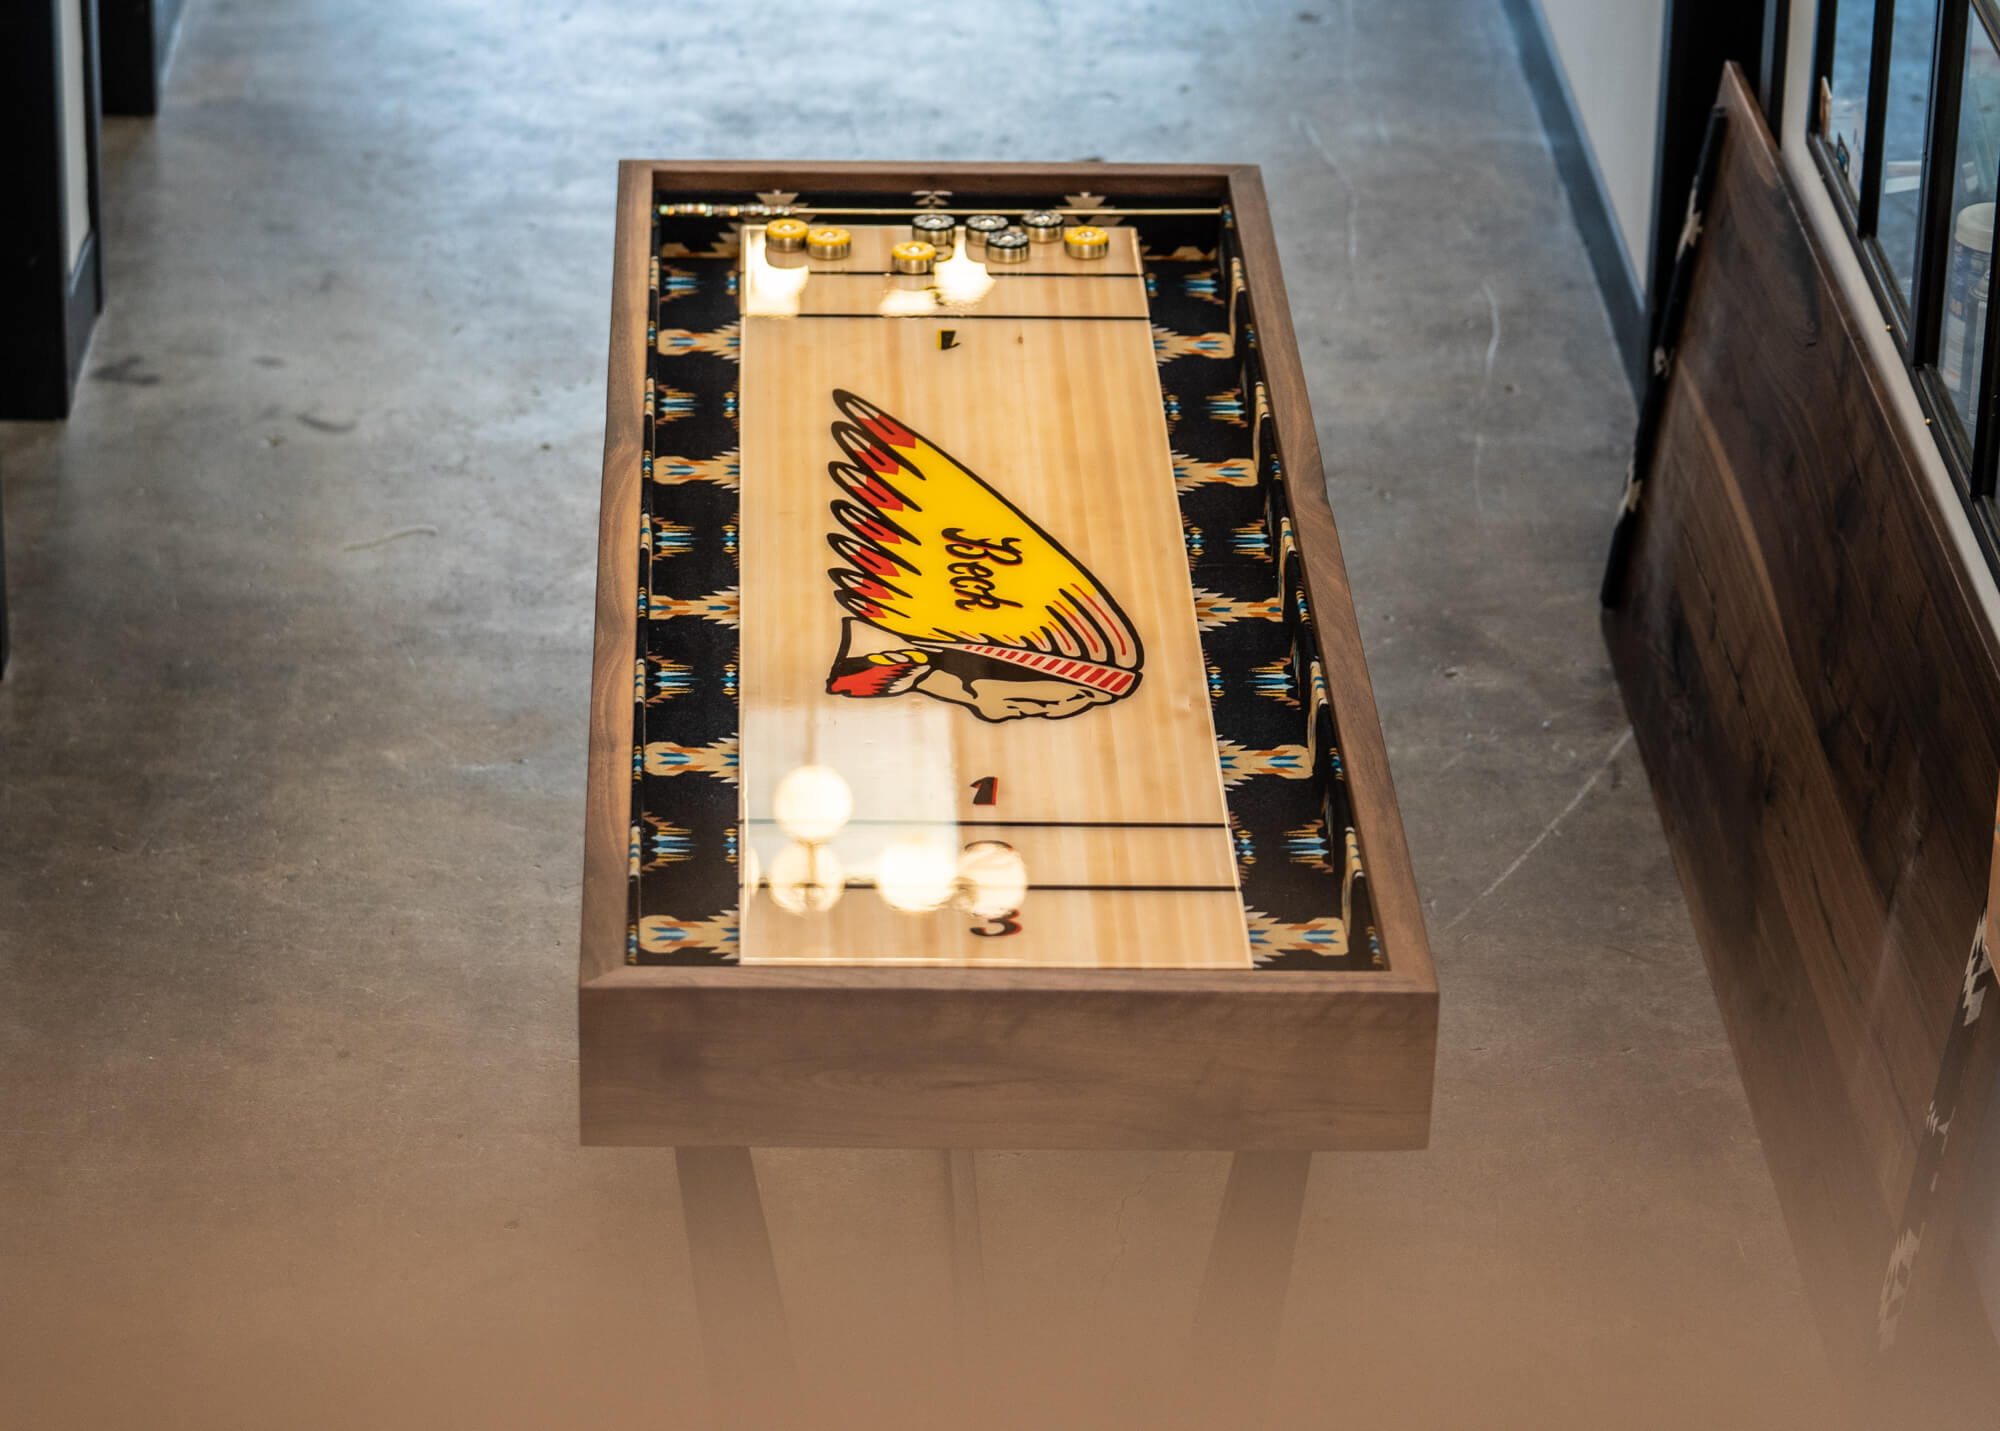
{"x":1812,"y":693}
{"x":1063,"y":1058}
{"x":1002,"y":1058}
{"x":1925,"y":1292}
{"x":696,"y":178}
{"x":1064,"y":421}
{"x":608,"y":801}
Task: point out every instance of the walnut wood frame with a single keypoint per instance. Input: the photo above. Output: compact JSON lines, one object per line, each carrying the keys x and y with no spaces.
{"x":946,"y":1057}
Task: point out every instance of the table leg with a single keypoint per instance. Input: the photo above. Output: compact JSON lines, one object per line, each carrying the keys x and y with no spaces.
{"x":751,"y":1376}
{"x":1242,"y":1304}
{"x":968,"y":1258}
{"x":958,"y":1221}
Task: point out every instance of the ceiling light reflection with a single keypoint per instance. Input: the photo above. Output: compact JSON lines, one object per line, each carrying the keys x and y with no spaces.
{"x":771,"y":291}
{"x":916,"y":874}
{"x":806,"y":879}
{"x":993,"y":879}
{"x":961,"y":280}
{"x":811,"y":803}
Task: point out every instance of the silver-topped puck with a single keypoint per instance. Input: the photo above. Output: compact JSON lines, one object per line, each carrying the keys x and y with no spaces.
{"x":980,"y":227}
{"x":940,"y":231}
{"x":1043,"y":225}
{"x":1007,"y":246}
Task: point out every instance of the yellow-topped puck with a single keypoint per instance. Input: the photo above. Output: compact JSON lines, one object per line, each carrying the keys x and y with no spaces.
{"x":1086,"y":241}
{"x":785,"y":235}
{"x":913,"y":256}
{"x":829,"y":243}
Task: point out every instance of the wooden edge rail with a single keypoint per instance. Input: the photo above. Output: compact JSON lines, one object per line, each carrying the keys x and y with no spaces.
{"x":1290,"y":1059}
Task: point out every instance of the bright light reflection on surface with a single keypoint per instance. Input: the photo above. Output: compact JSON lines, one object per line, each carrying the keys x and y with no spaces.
{"x":993,"y":879}
{"x":806,"y":879}
{"x":916,"y":874}
{"x":907,"y":302}
{"x":811,"y":803}
{"x":771,"y":291}
{"x":962,"y":280}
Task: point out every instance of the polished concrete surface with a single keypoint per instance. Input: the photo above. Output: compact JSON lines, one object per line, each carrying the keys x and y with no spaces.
{"x":291,"y":760}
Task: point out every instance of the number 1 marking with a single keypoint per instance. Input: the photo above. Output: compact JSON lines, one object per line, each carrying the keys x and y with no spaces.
{"x":986,"y":790}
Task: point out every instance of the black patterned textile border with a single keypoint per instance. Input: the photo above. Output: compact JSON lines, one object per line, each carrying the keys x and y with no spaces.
{"x":1305,"y":890}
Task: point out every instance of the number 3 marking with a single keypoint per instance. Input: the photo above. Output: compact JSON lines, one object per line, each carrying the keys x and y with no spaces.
{"x":1009,"y":923}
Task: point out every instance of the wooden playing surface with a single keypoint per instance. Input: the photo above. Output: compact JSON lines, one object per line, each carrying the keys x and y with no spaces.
{"x":1040,"y":378}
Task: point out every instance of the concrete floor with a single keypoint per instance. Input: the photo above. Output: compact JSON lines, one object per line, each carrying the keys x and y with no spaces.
{"x":290,"y":815}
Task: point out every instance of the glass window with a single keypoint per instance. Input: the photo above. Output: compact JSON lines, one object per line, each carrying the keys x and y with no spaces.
{"x":1967,"y":270}
{"x":1930,"y":95}
{"x":1904,"y":124}
{"x":1844,"y":112}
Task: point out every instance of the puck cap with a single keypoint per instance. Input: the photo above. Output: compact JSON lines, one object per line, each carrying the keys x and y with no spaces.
{"x":1086,"y":241}
{"x":829,"y":243}
{"x":913,"y":256}
{"x":937,"y":230}
{"x":1043,"y":225}
{"x":980,"y":226}
{"x":1007,"y":246}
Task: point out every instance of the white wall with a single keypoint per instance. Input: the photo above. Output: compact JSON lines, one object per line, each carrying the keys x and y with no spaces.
{"x":76,"y":132}
{"x":1610,"y":53}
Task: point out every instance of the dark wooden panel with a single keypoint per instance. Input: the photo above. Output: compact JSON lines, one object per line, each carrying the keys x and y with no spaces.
{"x":1812,"y":689}
{"x":1062,"y":1060}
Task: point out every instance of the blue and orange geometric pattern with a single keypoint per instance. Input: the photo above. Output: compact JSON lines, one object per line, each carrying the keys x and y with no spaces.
{"x":1305,"y":889}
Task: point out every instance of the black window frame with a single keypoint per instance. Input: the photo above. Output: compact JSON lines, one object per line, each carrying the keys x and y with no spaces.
{"x":1916,"y":326}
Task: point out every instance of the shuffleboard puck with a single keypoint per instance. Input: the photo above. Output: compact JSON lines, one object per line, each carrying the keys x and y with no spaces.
{"x":829,"y":243}
{"x":1085,"y":241}
{"x":937,"y":230}
{"x":980,"y":227}
{"x":1007,"y":246}
{"x":1043,"y":225}
{"x":914,"y":256}
{"x":785,"y":235}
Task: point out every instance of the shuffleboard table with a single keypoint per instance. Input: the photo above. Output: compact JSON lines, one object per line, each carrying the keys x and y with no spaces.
{"x":982,"y":753}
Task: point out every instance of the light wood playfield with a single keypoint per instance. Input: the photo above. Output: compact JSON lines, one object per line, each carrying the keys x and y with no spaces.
{"x":1048,"y":387}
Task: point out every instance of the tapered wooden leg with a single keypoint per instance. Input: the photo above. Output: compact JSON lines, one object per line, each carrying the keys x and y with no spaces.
{"x":1242,"y":1305}
{"x":968,"y":1258}
{"x":958,"y":1222}
{"x":748,"y":1349}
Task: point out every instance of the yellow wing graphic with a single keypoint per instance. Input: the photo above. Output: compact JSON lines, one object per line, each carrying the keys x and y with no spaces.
{"x":940,"y":561}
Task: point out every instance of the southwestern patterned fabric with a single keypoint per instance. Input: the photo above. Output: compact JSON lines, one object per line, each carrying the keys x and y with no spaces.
{"x":1305,"y":889}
